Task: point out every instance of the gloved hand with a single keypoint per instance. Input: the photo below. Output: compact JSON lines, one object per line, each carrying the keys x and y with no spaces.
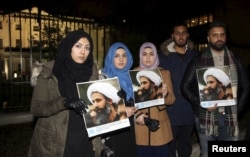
{"x":122,"y":94}
{"x":130,"y":102}
{"x":76,"y":104}
{"x":152,"y":124}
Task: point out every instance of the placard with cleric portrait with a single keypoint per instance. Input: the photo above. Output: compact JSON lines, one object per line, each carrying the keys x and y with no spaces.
{"x":147,"y":86}
{"x":106,"y":110}
{"x":216,"y":86}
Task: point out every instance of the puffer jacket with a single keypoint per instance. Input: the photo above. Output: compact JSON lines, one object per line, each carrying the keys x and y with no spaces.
{"x":181,"y":112}
{"x":52,"y":123}
{"x":164,"y":134}
{"x":167,"y":46}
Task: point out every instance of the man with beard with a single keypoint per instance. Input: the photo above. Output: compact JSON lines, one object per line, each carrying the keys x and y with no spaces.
{"x":217,"y":123}
{"x":105,"y":104}
{"x":176,"y":53}
{"x":149,"y":84}
{"x":217,"y":87}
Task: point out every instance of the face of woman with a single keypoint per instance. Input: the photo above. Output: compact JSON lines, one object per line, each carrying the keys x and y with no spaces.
{"x":120,"y":59}
{"x":80,"y":50}
{"x":148,"y":57}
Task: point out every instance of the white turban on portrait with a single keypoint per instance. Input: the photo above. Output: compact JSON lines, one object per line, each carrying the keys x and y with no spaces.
{"x":150,"y":75}
{"x":219,"y":74}
{"x":104,"y":88}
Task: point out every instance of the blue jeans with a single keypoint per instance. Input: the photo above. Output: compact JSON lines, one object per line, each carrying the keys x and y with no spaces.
{"x":203,"y":138}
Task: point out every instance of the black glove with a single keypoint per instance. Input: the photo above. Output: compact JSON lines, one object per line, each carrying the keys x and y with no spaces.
{"x":122,"y":94}
{"x":152,"y":124}
{"x":130,"y":102}
{"x":76,"y":104}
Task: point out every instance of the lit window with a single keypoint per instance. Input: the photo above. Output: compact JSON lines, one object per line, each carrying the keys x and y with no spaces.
{"x":194,"y":22}
{"x":211,"y":18}
{"x":201,"y":20}
{"x":188,"y":23}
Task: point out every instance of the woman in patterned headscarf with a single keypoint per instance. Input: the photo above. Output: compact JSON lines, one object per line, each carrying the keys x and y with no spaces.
{"x":60,"y":129}
{"x":118,"y":62}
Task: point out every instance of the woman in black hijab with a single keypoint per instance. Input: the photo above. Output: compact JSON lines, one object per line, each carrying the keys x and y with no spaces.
{"x":60,"y":129}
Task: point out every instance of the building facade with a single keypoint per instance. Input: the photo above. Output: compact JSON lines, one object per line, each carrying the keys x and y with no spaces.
{"x":33,"y":34}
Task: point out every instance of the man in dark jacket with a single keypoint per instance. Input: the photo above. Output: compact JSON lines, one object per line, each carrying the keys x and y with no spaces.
{"x":216,"y":123}
{"x":175,"y":55}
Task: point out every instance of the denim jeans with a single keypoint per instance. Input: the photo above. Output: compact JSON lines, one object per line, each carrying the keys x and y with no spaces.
{"x":203,"y":138}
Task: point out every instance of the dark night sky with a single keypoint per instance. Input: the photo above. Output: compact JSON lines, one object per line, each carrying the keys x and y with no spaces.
{"x":146,"y":11}
{"x":157,"y":14}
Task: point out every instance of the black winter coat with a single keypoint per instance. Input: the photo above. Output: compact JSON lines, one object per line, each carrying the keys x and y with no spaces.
{"x":189,"y":86}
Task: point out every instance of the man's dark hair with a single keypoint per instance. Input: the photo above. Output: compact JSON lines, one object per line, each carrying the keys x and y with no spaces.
{"x":216,"y":23}
{"x":179,"y":23}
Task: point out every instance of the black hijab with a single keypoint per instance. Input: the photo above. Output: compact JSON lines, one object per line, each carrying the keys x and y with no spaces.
{"x":66,"y":70}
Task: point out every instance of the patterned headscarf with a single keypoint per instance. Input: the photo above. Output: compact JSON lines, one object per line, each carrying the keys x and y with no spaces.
{"x":123,"y":75}
{"x":156,"y":61}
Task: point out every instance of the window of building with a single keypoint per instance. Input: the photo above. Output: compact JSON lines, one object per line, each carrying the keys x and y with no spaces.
{"x":194,"y":21}
{"x":36,"y":28}
{"x":18,"y":43}
{"x":1,"y":43}
{"x":18,"y":27}
{"x":201,"y":20}
{"x":1,"y":25}
{"x":200,"y":47}
{"x":210,"y":18}
{"x":35,"y":43}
